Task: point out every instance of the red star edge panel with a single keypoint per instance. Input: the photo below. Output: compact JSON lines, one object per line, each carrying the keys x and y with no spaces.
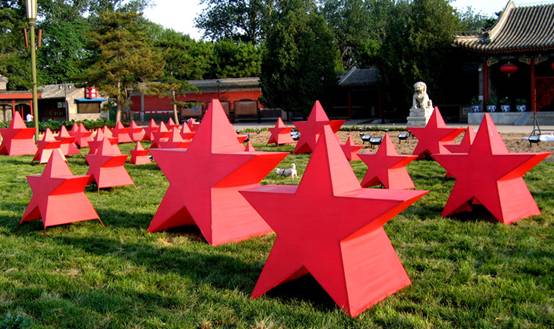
{"x":47,"y":146}
{"x":388,"y":168}
{"x":331,"y":228}
{"x":432,"y":138}
{"x":17,"y":139}
{"x":491,"y":176}
{"x":67,"y":146}
{"x":106,"y":166}
{"x":58,"y":196}
{"x":205,"y":179}
{"x":280,"y":134}
{"x":312,"y":128}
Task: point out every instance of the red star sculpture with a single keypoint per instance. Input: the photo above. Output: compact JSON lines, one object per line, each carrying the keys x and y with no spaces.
{"x":186,"y":133}
{"x":17,"y":139}
{"x":280,"y":134}
{"x":205,"y":179}
{"x":242,"y":138}
{"x":330,"y":227}
{"x":193,"y":125}
{"x":139,"y":155}
{"x":351,"y":150}
{"x":82,"y":135}
{"x":313,"y":127}
{"x":162,"y":135}
{"x":491,"y":176}
{"x":388,"y":168}
{"x":122,"y":133}
{"x":150,"y":130}
{"x":106,"y":166}
{"x":435,"y":134}
{"x":47,"y":146}
{"x":175,"y":141}
{"x":58,"y":196}
{"x":99,"y":139}
{"x":137,"y":133}
{"x":464,"y":145}
{"x":171,"y":124}
{"x":68,"y":146}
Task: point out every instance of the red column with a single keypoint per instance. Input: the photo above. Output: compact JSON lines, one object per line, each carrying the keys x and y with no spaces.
{"x":533,"y":99}
{"x":486,"y":95}
{"x":13,"y":107}
{"x":31,"y":109}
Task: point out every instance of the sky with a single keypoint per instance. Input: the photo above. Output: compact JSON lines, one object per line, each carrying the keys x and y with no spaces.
{"x":179,"y":14}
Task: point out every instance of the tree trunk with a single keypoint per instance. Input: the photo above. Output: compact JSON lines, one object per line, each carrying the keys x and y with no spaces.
{"x":175,"y":114}
{"x":119,"y":110}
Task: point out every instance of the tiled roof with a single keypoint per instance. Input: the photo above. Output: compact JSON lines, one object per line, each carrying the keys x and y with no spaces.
{"x":519,"y":29}
{"x":359,"y":77}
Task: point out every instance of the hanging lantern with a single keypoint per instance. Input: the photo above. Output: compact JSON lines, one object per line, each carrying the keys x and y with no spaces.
{"x":509,"y":68}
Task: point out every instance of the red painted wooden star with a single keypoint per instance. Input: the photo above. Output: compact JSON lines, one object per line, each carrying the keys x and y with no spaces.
{"x":122,"y":133}
{"x":350,"y":149}
{"x":435,"y":134}
{"x":48,"y":145}
{"x":193,"y":124}
{"x":186,"y":133}
{"x":388,"y":168}
{"x":139,"y":155}
{"x":161,"y":135}
{"x":95,"y":143}
{"x":280,"y":134}
{"x":204,"y":181}
{"x":17,"y":139}
{"x":464,"y":145}
{"x":313,"y":127}
{"x":491,"y":176}
{"x":150,"y":130}
{"x":171,"y":124}
{"x":175,"y":141}
{"x":68,"y":142}
{"x":137,"y":133}
{"x":58,"y":196}
{"x":330,"y":227}
{"x":81,"y":134}
{"x":249,"y":147}
{"x":106,"y":166}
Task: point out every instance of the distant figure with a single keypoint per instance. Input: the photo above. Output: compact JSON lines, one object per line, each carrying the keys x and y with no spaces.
{"x":29,"y":117}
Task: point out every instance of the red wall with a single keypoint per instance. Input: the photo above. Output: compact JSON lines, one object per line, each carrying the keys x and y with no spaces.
{"x":155,"y":103}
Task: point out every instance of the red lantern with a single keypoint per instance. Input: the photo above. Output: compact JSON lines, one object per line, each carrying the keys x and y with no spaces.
{"x":509,"y":68}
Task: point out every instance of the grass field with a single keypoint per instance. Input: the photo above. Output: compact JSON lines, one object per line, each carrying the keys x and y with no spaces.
{"x":466,"y":273}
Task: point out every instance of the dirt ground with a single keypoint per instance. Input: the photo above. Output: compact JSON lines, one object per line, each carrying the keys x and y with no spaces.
{"x":514,"y":142}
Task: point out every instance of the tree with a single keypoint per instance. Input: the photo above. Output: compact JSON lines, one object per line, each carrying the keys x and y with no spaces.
{"x":417,"y":47}
{"x":300,"y":57}
{"x":239,"y":20}
{"x":14,"y":58}
{"x":122,"y":57}
{"x":236,"y":60}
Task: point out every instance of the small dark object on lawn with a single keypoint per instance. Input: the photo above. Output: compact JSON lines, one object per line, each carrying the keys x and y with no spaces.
{"x":403,"y":136}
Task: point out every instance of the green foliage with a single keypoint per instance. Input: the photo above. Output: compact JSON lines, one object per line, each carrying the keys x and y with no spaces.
{"x":238,"y":20}
{"x":300,"y":57}
{"x":236,"y":60}
{"x":14,"y":58}
{"x":123,"y":58}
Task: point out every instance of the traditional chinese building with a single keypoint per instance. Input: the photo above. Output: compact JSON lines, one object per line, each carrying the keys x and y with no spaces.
{"x":516,"y":65}
{"x":239,"y":97}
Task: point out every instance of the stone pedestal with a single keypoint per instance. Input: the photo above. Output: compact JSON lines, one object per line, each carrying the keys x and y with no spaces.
{"x":419,"y":116}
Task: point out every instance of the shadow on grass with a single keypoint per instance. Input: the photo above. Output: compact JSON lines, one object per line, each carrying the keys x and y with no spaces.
{"x":478,"y":213}
{"x":202,"y":264}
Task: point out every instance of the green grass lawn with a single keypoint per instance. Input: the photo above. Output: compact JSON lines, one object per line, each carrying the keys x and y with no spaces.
{"x":466,"y":273}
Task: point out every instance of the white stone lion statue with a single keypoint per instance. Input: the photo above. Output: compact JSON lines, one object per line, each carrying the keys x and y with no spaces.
{"x":421,"y":99}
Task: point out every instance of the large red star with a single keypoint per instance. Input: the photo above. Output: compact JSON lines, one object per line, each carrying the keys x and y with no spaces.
{"x":204,"y":181}
{"x":330,"y":227}
{"x":48,"y":145}
{"x":68,"y":142}
{"x":433,"y":136}
{"x":491,"y":176}
{"x":464,"y":145}
{"x":58,"y":196}
{"x":17,"y":139}
{"x":122,"y":133}
{"x":280,"y":134}
{"x":350,"y":149}
{"x":388,"y":168}
{"x":106,"y":166}
{"x":313,"y":127}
